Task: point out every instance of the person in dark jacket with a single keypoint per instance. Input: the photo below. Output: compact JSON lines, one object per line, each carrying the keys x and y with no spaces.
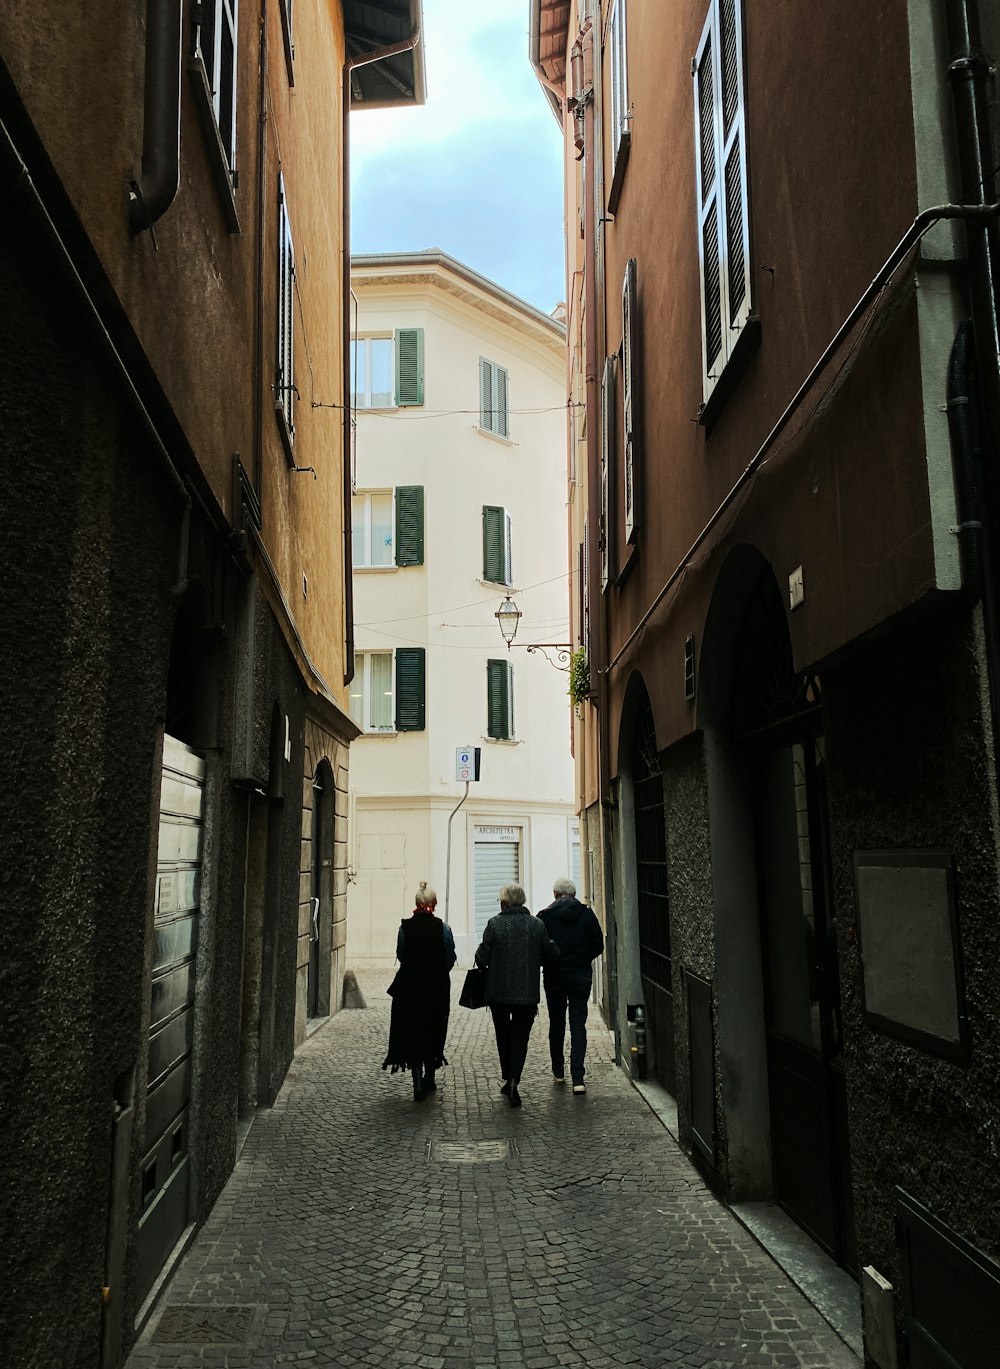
{"x":577,"y":932}
{"x":421,"y":994}
{"x":514,"y":947}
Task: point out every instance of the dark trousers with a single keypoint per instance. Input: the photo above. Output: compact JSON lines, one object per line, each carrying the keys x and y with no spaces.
{"x":572,"y":995}
{"x":512,"y":1024}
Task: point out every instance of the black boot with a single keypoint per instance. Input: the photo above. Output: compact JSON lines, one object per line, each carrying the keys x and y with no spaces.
{"x":418,"y":1085}
{"x":429,"y":1084}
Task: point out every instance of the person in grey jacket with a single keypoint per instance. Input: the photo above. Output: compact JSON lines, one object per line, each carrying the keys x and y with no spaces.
{"x":514,"y":947}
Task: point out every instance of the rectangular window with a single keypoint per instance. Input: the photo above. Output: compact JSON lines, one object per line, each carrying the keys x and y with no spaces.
{"x":372,"y":363}
{"x":497,"y":537}
{"x":723,"y":202}
{"x":388,"y":691}
{"x":216,"y":46}
{"x":387,"y":527}
{"x":372,"y":528}
{"x":371,"y":691}
{"x":500,"y":700}
{"x":285,"y":391}
{"x":387,"y":370}
{"x":494,"y":390}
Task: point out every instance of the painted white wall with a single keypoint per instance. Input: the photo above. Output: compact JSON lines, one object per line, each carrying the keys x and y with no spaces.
{"x":404,"y":786}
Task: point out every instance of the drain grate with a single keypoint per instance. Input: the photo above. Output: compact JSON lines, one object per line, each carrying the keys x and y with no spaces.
{"x":470,"y":1152}
{"x":204,"y":1326}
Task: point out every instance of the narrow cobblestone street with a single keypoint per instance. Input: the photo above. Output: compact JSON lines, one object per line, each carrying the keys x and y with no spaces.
{"x":362,"y":1229}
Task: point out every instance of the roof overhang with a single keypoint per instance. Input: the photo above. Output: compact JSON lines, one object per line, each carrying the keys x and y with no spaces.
{"x":369,"y":27}
{"x":549,"y":37}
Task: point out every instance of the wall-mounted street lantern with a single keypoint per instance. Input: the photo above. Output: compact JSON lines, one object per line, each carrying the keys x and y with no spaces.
{"x":508,"y":615}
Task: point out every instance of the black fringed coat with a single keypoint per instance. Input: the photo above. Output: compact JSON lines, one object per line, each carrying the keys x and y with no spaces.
{"x":421,"y":996}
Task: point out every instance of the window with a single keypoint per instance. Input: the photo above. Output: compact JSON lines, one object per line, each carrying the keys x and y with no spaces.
{"x":496,"y":545}
{"x":387,"y":371}
{"x":494,"y":387}
{"x":387,"y":527}
{"x":216,"y":45}
{"x":371,"y":528}
{"x":630,"y":406}
{"x":500,"y":700}
{"x":621,"y":118}
{"x":285,"y":391}
{"x":389,"y":695}
{"x":723,"y":209}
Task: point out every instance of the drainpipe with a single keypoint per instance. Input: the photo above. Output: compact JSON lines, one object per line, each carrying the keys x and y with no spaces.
{"x":350,"y":63}
{"x":971,"y":79}
{"x":153,"y":193}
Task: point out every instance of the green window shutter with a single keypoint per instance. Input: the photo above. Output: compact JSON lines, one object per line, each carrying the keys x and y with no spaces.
{"x":410,"y":688}
{"x":498,"y":700}
{"x":410,"y":525}
{"x":501,"y":424}
{"x":485,"y":394}
{"x":409,"y":366}
{"x":494,"y":545}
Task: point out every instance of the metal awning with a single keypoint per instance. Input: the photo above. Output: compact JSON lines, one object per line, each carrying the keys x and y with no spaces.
{"x":373,"y":24}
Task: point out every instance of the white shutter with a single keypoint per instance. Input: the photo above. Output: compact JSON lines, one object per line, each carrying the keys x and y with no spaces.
{"x":508,"y":549}
{"x":485,"y":394}
{"x":630,"y":402}
{"x":501,"y":423}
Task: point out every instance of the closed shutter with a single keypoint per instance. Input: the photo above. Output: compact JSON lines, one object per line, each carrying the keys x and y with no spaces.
{"x":630,"y":402}
{"x":409,"y":367}
{"x":485,"y":394}
{"x":494,"y":544}
{"x":500,"y":721}
{"x":501,"y":425}
{"x":286,"y":315}
{"x":410,"y":689}
{"x":410,"y":525}
{"x":497,"y":863}
{"x":737,"y":221}
{"x":607,"y":448}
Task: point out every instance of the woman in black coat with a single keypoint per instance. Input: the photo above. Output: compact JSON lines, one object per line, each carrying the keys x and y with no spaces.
{"x":515,"y":945}
{"x":421,"y":994}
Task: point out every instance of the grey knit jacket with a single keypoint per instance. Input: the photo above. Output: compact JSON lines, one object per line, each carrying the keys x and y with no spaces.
{"x":514,"y":947}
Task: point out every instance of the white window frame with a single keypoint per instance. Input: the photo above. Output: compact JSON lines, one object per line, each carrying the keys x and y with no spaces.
{"x":711,"y":191}
{"x":621,"y":121}
{"x":285,"y":391}
{"x":361,"y":386}
{"x":498,"y":413}
{"x":221,"y":66}
{"x":367,"y":563}
{"x":363,"y":678}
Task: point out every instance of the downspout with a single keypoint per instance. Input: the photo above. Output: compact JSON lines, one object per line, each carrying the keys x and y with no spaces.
{"x":350,"y":63}
{"x":970,"y":78}
{"x":30,"y":192}
{"x":152,"y":194}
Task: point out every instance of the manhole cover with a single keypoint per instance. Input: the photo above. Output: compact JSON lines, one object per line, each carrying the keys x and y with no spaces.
{"x":204,"y":1326}
{"x":470,"y":1152}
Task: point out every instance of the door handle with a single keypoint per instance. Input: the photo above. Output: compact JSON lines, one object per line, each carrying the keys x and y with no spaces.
{"x":314,"y":934}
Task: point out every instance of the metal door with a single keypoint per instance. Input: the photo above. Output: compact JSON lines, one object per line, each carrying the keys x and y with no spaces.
{"x":811,"y":1160}
{"x":165,"y":1166}
{"x":497,"y":862}
{"x":655,"y":961}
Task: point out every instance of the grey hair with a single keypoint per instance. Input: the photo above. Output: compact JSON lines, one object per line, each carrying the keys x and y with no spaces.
{"x":564,"y":888}
{"x":513,"y":895}
{"x":425,"y":896}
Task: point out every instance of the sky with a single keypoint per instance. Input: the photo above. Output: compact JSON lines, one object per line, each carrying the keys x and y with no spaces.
{"x":477,"y":170}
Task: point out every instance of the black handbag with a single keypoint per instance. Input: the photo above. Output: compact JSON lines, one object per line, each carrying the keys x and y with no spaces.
{"x":474,"y":989}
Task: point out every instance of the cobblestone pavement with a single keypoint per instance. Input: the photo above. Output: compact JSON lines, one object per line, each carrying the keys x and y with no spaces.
{"x":361,"y":1229}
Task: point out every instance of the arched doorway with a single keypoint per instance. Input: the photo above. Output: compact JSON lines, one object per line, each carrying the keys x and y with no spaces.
{"x":776,"y":721}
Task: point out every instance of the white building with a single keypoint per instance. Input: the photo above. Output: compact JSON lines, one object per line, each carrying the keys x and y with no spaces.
{"x":460,"y":480}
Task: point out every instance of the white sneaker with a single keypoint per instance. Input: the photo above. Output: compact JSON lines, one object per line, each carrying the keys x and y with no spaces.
{"x":579,"y":1088}
{"x":558,"y":1078}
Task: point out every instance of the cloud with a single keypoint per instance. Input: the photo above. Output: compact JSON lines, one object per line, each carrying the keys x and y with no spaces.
{"x":478,"y":170}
